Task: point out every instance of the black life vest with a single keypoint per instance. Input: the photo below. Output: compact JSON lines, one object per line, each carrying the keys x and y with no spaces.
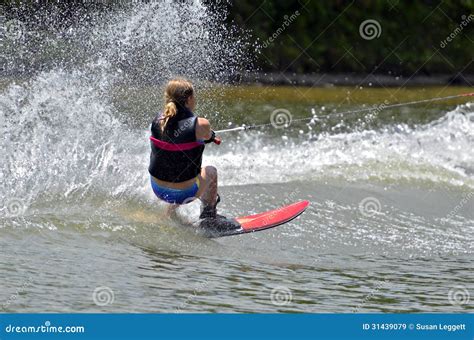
{"x":176,"y":154}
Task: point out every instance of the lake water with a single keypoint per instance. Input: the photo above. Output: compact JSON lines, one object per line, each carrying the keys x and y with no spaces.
{"x":390,"y":227}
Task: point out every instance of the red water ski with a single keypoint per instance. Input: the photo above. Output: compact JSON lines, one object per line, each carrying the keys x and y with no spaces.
{"x":261,"y":221}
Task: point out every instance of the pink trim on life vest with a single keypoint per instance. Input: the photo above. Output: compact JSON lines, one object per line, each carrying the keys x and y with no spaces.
{"x":174,"y":147}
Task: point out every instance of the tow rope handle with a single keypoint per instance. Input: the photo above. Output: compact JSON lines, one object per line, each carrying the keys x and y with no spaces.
{"x":214,"y":139}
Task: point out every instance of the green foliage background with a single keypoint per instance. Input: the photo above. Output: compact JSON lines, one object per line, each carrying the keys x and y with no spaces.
{"x":325,"y":36}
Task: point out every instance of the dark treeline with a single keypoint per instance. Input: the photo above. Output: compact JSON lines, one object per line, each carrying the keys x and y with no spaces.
{"x":311,"y":36}
{"x":414,"y":35}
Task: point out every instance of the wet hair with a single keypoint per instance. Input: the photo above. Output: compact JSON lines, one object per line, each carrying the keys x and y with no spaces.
{"x":177,"y":92}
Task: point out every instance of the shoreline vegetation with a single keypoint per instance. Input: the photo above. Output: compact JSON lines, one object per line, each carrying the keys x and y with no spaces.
{"x":421,"y":38}
{"x":351,"y":79}
{"x":322,"y":80}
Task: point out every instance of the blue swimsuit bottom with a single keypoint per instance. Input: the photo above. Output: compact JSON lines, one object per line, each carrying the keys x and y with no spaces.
{"x":175,"y":196}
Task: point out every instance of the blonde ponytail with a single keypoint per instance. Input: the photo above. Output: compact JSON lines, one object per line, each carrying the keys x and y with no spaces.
{"x":170,"y":112}
{"x":177,"y":93}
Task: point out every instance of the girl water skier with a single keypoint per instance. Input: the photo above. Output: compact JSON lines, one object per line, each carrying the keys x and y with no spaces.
{"x":177,"y":144}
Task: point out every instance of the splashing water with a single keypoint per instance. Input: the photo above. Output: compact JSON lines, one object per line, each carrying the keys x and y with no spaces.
{"x":439,"y":152}
{"x":62,"y":133}
{"x":74,"y":166}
